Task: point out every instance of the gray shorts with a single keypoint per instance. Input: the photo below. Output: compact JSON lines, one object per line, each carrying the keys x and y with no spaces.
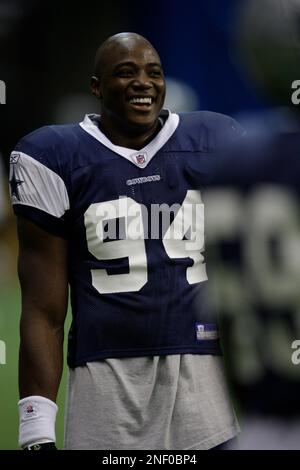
{"x":157,"y":402}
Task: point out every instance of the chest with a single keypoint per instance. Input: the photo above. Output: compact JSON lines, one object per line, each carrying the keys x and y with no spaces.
{"x":162,"y":181}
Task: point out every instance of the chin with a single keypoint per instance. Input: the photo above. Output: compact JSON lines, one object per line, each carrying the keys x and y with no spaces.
{"x":143,"y":121}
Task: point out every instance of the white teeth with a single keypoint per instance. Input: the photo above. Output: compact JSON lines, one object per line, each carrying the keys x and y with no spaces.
{"x":141,"y":100}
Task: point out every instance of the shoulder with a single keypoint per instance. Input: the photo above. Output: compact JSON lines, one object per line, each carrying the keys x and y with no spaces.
{"x":48,"y":139}
{"x":208,"y":119}
{"x":49,"y":145}
{"x":209,"y":130}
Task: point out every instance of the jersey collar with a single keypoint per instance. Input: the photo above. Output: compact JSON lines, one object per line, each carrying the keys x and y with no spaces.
{"x":142,"y":157}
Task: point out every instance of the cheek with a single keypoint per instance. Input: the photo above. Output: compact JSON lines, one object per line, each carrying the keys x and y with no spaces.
{"x":162,"y":88}
{"x":114,"y":99}
{"x":162,"y":94}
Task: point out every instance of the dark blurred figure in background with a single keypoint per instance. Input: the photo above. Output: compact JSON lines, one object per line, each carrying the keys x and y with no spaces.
{"x":253,"y":228}
{"x":2,"y":195}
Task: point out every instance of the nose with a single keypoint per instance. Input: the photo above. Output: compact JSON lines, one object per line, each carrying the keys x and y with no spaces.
{"x":142,"y":81}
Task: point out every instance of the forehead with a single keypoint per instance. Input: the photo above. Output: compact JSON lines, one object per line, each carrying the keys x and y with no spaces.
{"x":130,"y":50}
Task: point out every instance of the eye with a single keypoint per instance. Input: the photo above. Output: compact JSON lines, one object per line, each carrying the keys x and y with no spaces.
{"x":155,"y":73}
{"x":124,"y":73}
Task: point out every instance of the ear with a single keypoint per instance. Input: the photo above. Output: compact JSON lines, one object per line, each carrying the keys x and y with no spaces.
{"x":95,"y":87}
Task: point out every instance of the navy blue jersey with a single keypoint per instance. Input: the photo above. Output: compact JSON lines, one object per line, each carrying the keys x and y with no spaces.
{"x":135,"y":228}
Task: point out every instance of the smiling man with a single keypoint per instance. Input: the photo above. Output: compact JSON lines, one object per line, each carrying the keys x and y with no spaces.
{"x":144,"y":352}
{"x":129,"y":81}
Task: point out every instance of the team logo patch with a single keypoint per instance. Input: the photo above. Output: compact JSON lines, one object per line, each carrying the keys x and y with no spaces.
{"x":15,"y":183}
{"x":206,"y":331}
{"x":30,"y":410}
{"x":14,"y":158}
{"x":140,"y":158}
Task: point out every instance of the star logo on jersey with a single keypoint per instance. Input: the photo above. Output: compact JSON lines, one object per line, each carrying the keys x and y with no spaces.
{"x":14,"y":186}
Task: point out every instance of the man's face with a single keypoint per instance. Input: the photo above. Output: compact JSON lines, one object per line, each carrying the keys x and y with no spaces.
{"x":132,"y":85}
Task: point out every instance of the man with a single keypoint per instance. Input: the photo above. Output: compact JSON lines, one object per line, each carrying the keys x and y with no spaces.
{"x":145,"y":371}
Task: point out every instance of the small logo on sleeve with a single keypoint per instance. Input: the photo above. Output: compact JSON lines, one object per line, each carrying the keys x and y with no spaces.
{"x":206,"y":331}
{"x":14,"y":158}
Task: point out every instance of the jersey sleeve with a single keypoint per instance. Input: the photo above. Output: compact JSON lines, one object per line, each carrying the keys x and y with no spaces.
{"x":220,"y":134}
{"x":227,"y":132}
{"x":37,"y":181}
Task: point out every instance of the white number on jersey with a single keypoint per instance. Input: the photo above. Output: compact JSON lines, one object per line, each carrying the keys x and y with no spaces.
{"x":177,"y":243}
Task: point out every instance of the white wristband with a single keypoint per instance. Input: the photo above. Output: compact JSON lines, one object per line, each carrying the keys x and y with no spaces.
{"x":37,"y":420}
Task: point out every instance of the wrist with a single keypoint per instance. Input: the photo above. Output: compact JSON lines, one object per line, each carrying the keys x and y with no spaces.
{"x":37,"y":420}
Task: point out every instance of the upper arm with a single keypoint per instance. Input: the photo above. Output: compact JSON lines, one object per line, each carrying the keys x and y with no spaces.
{"x":40,"y":199}
{"x":43,"y":273}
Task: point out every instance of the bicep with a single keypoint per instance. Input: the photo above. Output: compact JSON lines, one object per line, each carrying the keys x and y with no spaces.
{"x":43,"y":273}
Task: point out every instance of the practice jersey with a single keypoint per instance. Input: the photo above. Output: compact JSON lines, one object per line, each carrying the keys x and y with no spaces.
{"x":135,"y":228}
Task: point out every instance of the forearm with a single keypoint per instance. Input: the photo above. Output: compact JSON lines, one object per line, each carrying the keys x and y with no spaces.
{"x":41,"y":357}
{"x":43,"y":275}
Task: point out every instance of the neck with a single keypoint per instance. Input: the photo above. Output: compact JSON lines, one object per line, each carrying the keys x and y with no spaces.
{"x":136,"y":139}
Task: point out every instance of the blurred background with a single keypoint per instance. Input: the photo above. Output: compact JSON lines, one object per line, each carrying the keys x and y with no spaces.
{"x":46,"y":59}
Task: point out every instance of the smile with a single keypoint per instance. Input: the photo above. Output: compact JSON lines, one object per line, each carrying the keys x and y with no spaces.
{"x":142,"y":100}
